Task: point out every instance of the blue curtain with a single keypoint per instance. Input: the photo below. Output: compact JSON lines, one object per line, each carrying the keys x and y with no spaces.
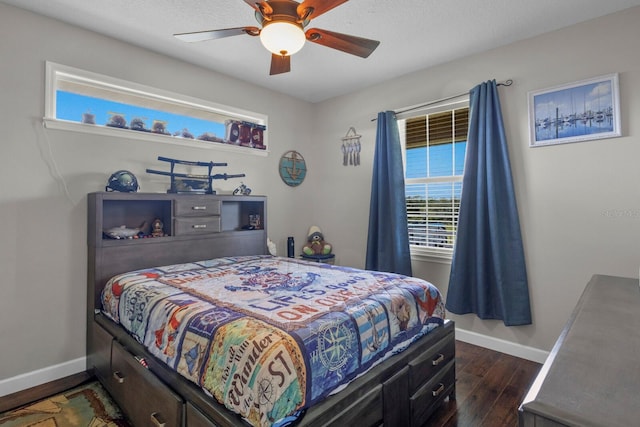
{"x":488,"y":272}
{"x":388,"y":242}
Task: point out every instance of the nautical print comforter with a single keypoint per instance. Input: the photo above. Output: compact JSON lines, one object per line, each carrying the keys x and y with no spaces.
{"x":269,"y":336}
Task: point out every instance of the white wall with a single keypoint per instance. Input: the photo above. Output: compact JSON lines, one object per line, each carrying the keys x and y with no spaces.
{"x":579,"y":203}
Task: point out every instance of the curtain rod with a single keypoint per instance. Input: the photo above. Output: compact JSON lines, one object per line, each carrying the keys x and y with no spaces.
{"x":508,"y":82}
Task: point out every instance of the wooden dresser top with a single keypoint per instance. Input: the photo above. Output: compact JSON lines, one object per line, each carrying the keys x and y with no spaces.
{"x":592,"y":375}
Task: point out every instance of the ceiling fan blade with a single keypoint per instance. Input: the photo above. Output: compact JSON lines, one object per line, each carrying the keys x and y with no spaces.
{"x":199,"y":36}
{"x":350,"y":44}
{"x":319,"y":7}
{"x":280,"y":64}
{"x":262,"y":7}
{"x":258,"y":5}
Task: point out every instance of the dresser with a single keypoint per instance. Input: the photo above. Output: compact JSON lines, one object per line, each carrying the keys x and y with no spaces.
{"x":592,"y":375}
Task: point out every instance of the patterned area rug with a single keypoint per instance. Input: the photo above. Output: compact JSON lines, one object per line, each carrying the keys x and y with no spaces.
{"x":88,"y":405}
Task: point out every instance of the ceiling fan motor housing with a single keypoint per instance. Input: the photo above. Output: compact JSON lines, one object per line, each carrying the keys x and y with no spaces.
{"x":282,"y":30}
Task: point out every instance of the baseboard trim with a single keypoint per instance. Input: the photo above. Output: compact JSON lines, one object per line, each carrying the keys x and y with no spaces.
{"x":42,"y":376}
{"x":503,"y":346}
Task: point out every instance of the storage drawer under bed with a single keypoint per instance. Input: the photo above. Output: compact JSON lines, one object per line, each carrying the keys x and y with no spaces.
{"x":431,"y":394}
{"x":145,"y":399}
{"x":195,"y":418}
{"x":431,"y":362}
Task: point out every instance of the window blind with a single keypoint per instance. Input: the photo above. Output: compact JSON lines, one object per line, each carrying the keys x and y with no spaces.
{"x":438,"y":128}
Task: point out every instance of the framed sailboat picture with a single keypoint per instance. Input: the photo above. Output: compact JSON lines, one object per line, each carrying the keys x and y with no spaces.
{"x":580,"y":111}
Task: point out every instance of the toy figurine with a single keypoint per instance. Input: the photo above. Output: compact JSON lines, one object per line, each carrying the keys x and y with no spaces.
{"x":315,"y":243}
{"x":242,"y":190}
{"x":124,"y":232}
{"x":157,"y":228}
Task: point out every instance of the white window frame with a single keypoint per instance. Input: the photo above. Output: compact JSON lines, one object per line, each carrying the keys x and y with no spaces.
{"x":58,"y":75}
{"x":441,"y":255}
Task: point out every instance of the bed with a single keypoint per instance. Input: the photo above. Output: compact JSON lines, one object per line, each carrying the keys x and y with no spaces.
{"x":309,"y":344}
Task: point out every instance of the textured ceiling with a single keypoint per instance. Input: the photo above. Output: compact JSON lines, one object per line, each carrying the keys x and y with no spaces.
{"x":414,"y":34}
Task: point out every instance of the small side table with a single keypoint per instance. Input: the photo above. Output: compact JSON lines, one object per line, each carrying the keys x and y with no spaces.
{"x":326,"y":259}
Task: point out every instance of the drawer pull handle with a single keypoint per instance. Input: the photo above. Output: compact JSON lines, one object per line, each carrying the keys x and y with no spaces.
{"x":438,"y":360}
{"x":155,"y":419}
{"x":199,"y":226}
{"x":437,"y":391}
{"x":117,"y":375}
{"x":199,"y":208}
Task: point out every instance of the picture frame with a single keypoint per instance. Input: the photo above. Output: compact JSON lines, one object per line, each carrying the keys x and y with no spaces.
{"x":581,"y":111}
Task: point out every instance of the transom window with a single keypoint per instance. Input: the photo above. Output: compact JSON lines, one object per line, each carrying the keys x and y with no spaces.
{"x":434,"y":145}
{"x":84,"y":101}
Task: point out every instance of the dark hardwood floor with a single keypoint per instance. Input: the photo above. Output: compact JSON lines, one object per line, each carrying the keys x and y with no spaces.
{"x":489,"y":388}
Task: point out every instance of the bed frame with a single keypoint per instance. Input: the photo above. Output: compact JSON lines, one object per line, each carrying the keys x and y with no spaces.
{"x":402,"y":391}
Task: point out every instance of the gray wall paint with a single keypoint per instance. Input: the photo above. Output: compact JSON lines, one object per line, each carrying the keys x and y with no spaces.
{"x":579,"y":203}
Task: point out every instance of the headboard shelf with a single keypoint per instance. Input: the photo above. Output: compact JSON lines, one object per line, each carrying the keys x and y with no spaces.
{"x":181,"y":215}
{"x":136,"y":213}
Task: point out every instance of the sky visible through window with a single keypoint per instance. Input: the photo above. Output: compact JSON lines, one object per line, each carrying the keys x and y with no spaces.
{"x":441,"y":160}
{"x":72,"y":106}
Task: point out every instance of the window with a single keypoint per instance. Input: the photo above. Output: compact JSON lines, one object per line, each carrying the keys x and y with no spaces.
{"x":434,"y":145}
{"x":79,"y":100}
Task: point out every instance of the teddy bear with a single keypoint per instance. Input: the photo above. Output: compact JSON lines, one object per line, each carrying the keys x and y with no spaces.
{"x":315,"y":243}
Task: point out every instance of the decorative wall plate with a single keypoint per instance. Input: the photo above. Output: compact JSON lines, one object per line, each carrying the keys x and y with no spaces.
{"x":293,"y":168}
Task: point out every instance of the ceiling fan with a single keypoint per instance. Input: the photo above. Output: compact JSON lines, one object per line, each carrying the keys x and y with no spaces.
{"x":283,"y":31}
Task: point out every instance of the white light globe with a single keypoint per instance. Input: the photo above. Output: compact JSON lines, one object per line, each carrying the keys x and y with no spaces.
{"x":282,"y":38}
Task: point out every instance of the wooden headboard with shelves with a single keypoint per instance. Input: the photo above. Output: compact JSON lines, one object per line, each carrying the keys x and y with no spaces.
{"x":197,"y":227}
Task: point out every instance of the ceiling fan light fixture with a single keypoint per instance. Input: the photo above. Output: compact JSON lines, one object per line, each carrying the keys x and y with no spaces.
{"x":282,"y":37}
